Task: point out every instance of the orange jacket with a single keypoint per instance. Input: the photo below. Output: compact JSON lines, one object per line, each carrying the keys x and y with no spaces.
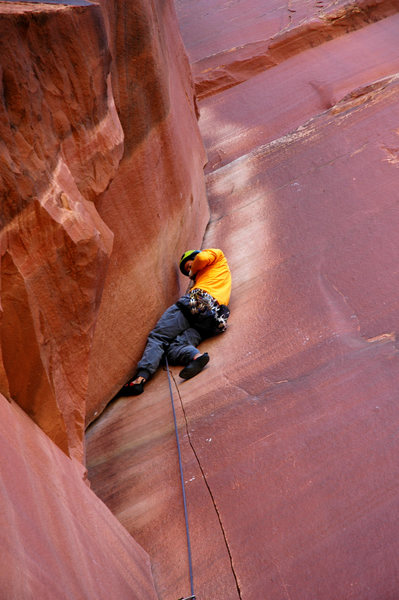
{"x":212,"y":274}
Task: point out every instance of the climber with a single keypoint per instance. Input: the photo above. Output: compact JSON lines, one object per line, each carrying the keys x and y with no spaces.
{"x":200,"y":313}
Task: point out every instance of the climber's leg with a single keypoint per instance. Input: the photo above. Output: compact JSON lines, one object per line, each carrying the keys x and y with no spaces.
{"x":170,"y":325}
{"x":183,"y":348}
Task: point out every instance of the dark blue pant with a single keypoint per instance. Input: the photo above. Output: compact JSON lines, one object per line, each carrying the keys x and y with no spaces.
{"x":172,"y":335}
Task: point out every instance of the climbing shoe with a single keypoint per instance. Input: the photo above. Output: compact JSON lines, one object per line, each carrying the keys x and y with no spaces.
{"x":134,"y":389}
{"x":195,"y":366}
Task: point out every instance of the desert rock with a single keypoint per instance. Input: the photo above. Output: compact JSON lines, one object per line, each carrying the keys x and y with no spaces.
{"x":288,"y":434}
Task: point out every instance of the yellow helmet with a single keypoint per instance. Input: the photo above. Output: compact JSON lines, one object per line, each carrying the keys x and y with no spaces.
{"x":188,"y":255}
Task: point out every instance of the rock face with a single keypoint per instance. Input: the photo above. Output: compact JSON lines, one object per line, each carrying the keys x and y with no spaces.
{"x":57,"y":112}
{"x":228,"y":46}
{"x":102,"y":188}
{"x":58,"y":540}
{"x":156,"y":204}
{"x":359,"y":58}
{"x":102,"y":184}
{"x":288,"y":436}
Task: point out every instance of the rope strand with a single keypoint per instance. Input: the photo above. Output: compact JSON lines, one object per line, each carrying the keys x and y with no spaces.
{"x":190,"y":566}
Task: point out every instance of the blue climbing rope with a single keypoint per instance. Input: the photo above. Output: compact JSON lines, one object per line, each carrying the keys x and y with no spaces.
{"x":190,"y":564}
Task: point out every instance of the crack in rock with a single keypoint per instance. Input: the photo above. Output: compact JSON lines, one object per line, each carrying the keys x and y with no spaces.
{"x":218,"y":515}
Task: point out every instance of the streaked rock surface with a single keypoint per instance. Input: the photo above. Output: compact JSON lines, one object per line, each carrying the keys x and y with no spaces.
{"x":307,"y":84}
{"x":288,"y":436}
{"x":230,"y":42}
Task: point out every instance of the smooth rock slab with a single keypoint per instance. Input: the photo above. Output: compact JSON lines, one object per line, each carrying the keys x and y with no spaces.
{"x":133,"y":464}
{"x":304,"y":473}
{"x":230,"y":42}
{"x":277,"y":101}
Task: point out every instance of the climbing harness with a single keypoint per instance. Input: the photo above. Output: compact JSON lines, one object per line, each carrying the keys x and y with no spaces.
{"x":202,"y":302}
{"x":190,"y":566}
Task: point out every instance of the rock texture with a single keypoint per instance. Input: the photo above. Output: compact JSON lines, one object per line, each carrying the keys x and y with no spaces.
{"x":57,"y":112}
{"x":309,"y":83}
{"x":228,"y":44}
{"x":102,"y":184}
{"x":288,"y":436}
{"x":58,"y":540}
{"x":102,"y":188}
{"x":156,"y":205}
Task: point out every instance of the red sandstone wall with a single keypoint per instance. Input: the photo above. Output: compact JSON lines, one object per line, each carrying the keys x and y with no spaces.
{"x":61,"y":145}
{"x":156,"y":204}
{"x":102,"y":184}
{"x":58,"y":540}
{"x":101,"y":190}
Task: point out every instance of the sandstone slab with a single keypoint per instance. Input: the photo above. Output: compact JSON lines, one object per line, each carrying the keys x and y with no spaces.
{"x":229,"y":43}
{"x":289,"y":432}
{"x":311,"y":82}
{"x":132,"y":450}
{"x":314,"y":333}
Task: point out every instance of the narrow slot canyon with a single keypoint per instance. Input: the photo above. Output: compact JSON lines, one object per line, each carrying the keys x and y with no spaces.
{"x":129,"y":133}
